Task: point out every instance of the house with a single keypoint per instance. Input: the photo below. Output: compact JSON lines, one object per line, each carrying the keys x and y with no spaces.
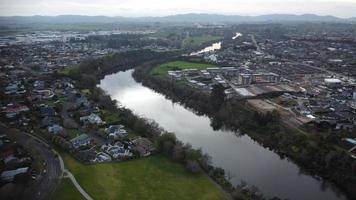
{"x":12,"y":110}
{"x":229,"y":71}
{"x":116,"y":131}
{"x":116,"y":151}
{"x":66,"y":83}
{"x":333,"y":82}
{"x":205,"y":74}
{"x":49,"y":121}
{"x":44,"y":94}
{"x":102,"y":157}
{"x":81,"y":140}
{"x":82,"y":101}
{"x":144,"y":146}
{"x":56,"y":129}
{"x":47,"y":111}
{"x":214,"y":70}
{"x":92,"y":119}
{"x":175,"y":74}
{"x":15,"y":87}
{"x":10,"y":158}
{"x":38,"y":85}
{"x":86,"y":155}
{"x":13,"y":162}
{"x":8,"y":176}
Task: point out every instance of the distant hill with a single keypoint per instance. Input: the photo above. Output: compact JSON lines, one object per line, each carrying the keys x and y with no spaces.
{"x":239,"y":18}
{"x":192,"y":17}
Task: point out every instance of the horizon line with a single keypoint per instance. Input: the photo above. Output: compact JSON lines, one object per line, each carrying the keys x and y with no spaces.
{"x":196,"y":13}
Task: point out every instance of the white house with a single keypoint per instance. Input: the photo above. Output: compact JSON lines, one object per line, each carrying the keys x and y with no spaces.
{"x":116,"y":131}
{"x":92,"y":119}
{"x":116,"y":151}
{"x":55,"y":129}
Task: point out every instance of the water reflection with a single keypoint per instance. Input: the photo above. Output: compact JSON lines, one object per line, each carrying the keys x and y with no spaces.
{"x":241,"y":156}
{"x":236,"y":35}
{"x":213,"y":47}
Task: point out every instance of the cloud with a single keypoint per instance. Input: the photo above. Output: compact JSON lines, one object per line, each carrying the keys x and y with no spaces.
{"x":341,"y":8}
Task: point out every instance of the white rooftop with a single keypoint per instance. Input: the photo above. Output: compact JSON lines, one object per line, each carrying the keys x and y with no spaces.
{"x":243,"y":92}
{"x":332,"y":80}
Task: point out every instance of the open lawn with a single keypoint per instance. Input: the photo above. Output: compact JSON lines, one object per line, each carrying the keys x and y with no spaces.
{"x":199,"y":40}
{"x":154,"y":177}
{"x":162,"y":69}
{"x":66,"y":191}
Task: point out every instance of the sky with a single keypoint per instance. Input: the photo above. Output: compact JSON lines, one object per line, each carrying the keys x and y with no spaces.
{"x":139,"y":8}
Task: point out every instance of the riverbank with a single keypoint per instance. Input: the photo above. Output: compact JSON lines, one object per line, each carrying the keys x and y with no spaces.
{"x":315,"y":155}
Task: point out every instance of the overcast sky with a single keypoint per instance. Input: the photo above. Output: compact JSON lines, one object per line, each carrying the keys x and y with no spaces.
{"x":340,"y":8}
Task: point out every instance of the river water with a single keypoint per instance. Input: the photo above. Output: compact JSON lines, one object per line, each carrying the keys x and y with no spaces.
{"x":214,"y":46}
{"x":237,"y":35}
{"x":240,"y":155}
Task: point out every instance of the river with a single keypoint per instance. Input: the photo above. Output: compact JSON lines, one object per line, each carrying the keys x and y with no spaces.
{"x":240,"y":155}
{"x":214,"y":46}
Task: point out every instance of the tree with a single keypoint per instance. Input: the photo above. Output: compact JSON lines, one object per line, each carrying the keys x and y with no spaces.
{"x":193,"y":166}
{"x":205,"y":161}
{"x":178,"y":152}
{"x":165,"y":137}
{"x":87,"y":81}
{"x":167,"y":148}
{"x":68,"y":123}
{"x":237,"y":195}
{"x":217,"y":96}
{"x":191,"y":154}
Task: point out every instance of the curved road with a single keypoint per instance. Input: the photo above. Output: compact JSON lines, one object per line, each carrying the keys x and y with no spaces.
{"x":47,"y":180}
{"x":65,"y":172}
{"x":46,"y":184}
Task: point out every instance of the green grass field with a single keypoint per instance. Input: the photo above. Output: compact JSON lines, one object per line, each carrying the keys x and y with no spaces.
{"x":154,"y":177}
{"x":162,"y":69}
{"x":66,"y":191}
{"x":199,"y":40}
